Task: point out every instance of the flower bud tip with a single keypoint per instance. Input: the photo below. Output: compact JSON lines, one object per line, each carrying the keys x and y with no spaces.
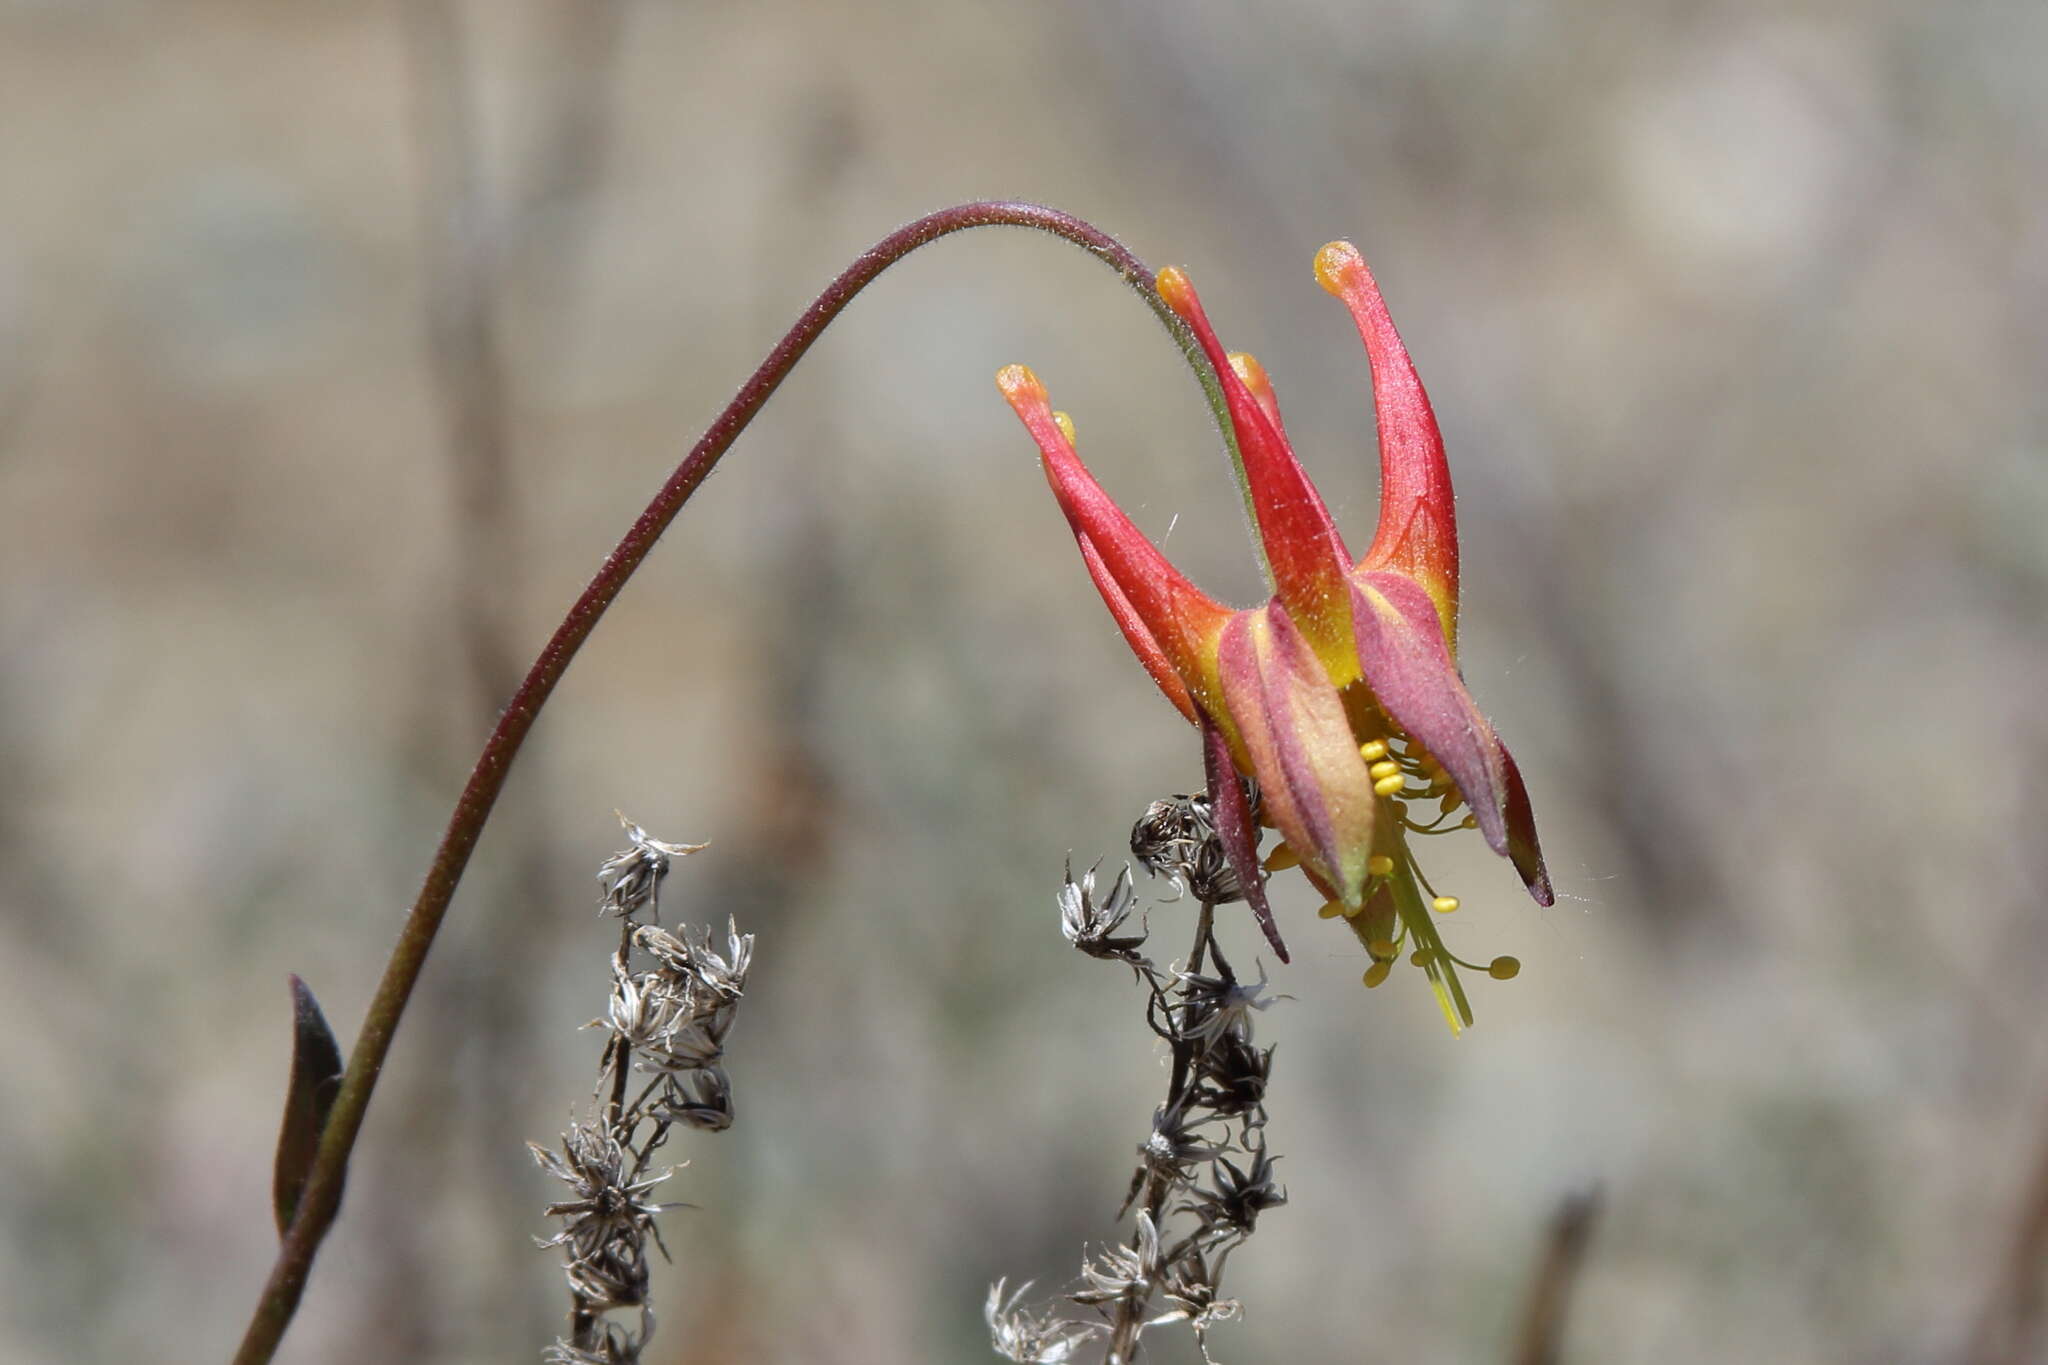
{"x":1334,"y":262}
{"x":1018,"y":382}
{"x":1179,"y":293}
{"x":1251,"y":371}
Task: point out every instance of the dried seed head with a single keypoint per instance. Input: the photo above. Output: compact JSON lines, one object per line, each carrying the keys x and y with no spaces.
{"x":1161,"y":839}
{"x":728,"y":974}
{"x":632,"y":877}
{"x":1118,"y":1271}
{"x":1232,"y":1076}
{"x":671,"y":952}
{"x":610,"y":1276}
{"x":695,"y":962}
{"x":1209,"y":875}
{"x":1031,"y":1338}
{"x":1176,"y":837}
{"x":1232,"y":1205}
{"x":608,"y":1203}
{"x":1190,"y":1291}
{"x":1210,"y":1007}
{"x":1091,"y":926}
{"x":616,"y":1347}
{"x":701,"y":1098}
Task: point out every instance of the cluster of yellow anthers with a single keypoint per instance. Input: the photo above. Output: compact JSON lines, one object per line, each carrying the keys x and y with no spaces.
{"x":1404,"y":773}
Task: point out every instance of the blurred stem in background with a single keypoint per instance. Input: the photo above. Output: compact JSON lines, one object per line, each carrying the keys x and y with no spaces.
{"x":459,"y":239}
{"x":470,"y":256}
{"x":1547,"y":1312}
{"x":2009,"y":1326}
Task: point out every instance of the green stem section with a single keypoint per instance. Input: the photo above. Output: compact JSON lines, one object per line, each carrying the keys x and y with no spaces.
{"x":320,"y":1199}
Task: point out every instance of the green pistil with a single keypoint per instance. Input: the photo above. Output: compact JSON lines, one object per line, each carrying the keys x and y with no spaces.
{"x":1418,"y":927}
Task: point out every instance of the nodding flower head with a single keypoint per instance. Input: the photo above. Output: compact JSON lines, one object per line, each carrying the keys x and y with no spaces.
{"x":1340,"y":694}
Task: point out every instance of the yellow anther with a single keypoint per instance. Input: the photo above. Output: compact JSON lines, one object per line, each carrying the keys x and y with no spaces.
{"x":1331,"y":909}
{"x":1383,"y":950}
{"x":1386,"y":767}
{"x":1379,"y":865}
{"x":1421,"y":957}
{"x":1389,"y":786}
{"x":1377,"y":973}
{"x":1443,"y":905}
{"x":1503,"y":969}
{"x":1281,"y":858}
{"x":1469,"y":822}
{"x":1373,"y":750}
{"x":1066,"y":426}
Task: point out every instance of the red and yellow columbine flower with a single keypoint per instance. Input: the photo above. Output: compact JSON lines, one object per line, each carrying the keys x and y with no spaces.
{"x":1340,"y":695}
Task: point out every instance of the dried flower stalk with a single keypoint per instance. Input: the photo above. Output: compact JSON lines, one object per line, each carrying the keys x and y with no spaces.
{"x":673,"y":1001}
{"x":1204,"y":1173}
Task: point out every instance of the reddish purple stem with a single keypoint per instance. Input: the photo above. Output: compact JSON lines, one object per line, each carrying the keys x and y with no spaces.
{"x":319,"y":1199}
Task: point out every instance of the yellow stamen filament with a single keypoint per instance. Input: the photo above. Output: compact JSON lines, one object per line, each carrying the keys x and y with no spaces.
{"x":1436,"y":826}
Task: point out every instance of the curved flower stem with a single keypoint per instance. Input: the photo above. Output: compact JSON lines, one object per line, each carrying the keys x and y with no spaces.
{"x":321,"y":1197}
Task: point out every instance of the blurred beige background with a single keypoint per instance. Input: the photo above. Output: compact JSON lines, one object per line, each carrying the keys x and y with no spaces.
{"x":1734,"y":317}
